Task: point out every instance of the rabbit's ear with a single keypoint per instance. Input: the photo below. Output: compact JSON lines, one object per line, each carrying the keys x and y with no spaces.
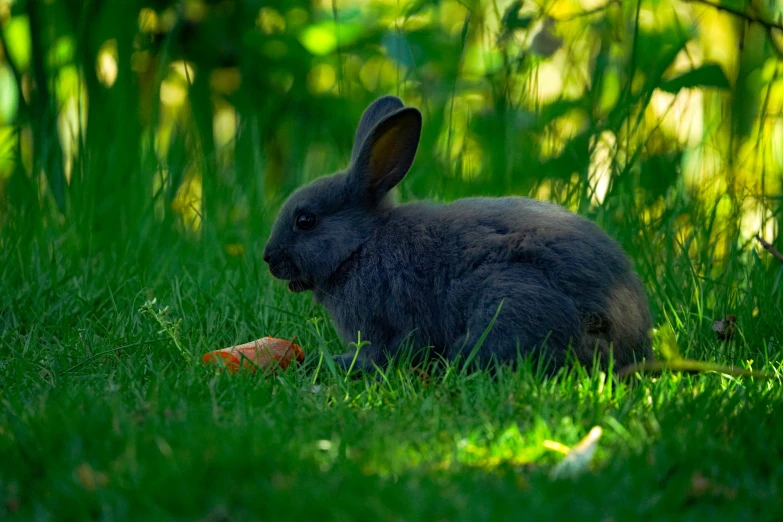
{"x":374,"y":113}
{"x":387,"y":153}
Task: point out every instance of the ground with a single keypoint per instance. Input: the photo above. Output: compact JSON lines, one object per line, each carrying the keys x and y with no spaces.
{"x":103,"y":418}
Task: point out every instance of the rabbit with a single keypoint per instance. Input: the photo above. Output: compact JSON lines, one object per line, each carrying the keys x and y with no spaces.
{"x":437,"y":275}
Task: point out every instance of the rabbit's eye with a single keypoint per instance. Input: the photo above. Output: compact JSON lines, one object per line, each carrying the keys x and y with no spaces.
{"x":305,"y":221}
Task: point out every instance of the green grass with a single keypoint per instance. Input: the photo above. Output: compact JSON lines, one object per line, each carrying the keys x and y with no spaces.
{"x":92,"y":431}
{"x":101,"y":416}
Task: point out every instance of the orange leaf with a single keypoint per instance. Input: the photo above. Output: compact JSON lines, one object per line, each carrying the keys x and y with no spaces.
{"x":264,"y":353}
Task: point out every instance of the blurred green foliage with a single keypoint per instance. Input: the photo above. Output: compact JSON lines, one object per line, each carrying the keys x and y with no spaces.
{"x":662,"y":119}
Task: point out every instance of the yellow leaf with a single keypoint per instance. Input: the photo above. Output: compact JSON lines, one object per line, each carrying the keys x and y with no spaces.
{"x":580,"y":455}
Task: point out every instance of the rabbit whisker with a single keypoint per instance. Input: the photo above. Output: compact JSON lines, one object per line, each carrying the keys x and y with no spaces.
{"x":327,"y":293}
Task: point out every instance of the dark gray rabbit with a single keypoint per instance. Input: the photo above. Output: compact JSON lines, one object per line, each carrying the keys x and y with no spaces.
{"x":435,"y":275}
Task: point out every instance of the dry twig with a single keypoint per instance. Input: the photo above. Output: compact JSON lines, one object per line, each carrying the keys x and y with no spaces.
{"x":748,"y":17}
{"x":768,"y":25}
{"x":769,"y":248}
{"x":686,"y":365}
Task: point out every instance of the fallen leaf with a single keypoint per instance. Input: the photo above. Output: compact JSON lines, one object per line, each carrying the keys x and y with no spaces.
{"x":264,"y":353}
{"x":724,"y":328}
{"x":579,"y":457}
{"x":90,"y":478}
{"x":701,"y":486}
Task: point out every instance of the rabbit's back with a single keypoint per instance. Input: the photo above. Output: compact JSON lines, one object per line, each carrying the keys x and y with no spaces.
{"x":461,"y":245}
{"x":568,"y":247}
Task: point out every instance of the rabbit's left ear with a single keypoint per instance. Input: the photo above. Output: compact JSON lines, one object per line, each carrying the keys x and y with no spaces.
{"x":387,"y":153}
{"x":375,"y":112}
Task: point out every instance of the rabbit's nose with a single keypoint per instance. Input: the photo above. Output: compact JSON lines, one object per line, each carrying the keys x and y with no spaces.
{"x":266,"y":257}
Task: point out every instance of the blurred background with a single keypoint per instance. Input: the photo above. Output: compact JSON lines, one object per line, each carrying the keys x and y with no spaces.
{"x":149,"y":123}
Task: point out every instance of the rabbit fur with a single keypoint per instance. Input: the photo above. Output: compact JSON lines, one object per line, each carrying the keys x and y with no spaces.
{"x":435,"y":275}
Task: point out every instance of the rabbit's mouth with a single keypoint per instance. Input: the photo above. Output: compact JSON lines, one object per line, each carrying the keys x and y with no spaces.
{"x":300,"y":285}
